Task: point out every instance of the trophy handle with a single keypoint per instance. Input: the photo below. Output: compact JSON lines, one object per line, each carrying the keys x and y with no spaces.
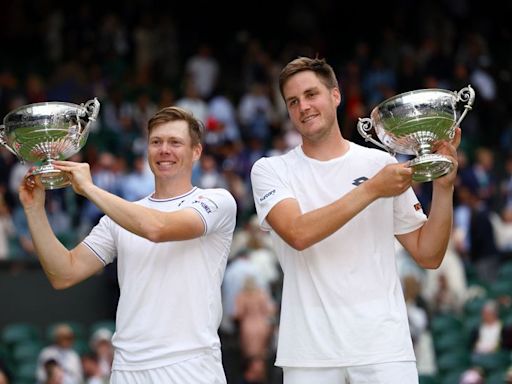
{"x":93,"y":108}
{"x":4,"y":143}
{"x":467,"y":95}
{"x":363,"y":126}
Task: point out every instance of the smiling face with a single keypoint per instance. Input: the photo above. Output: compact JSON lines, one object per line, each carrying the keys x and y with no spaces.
{"x":171,"y":153}
{"x":311,"y":105}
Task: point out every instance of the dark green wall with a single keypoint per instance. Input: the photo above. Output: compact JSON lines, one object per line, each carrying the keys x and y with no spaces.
{"x":26,"y":295}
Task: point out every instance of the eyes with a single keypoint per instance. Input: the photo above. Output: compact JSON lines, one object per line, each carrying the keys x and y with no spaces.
{"x":157,"y":141}
{"x":308,"y":95}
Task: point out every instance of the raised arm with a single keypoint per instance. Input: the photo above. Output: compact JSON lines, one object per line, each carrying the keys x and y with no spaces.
{"x":63,"y":267}
{"x":428,"y":244}
{"x":302,"y":230}
{"x":149,"y":223}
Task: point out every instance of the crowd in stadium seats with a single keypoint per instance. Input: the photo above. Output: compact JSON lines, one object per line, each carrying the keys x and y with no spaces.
{"x":136,"y":59}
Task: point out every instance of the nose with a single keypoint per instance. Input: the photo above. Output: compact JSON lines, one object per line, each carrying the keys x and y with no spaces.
{"x":164,"y":149}
{"x":303,"y":105}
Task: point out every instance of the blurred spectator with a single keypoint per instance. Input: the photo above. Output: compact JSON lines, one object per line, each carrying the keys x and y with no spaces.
{"x":5,"y":376}
{"x":418,"y":325}
{"x":137,"y":183}
{"x":474,"y":234}
{"x":192,"y":101}
{"x":209,"y":175}
{"x":256,"y":112}
{"x":54,"y":372}
{"x":101,"y":346}
{"x":92,"y":370}
{"x":222,"y":110}
{"x":144,"y":37}
{"x":487,"y":338}
{"x":239,"y":189}
{"x":254,"y":312}
{"x":143,"y":109}
{"x":24,"y":239}
{"x":7,"y":230}
{"x":480,"y":176}
{"x":250,"y":236}
{"x":61,"y":350}
{"x":472,"y":375}
{"x":254,"y":370}
{"x":237,"y":270}
{"x":116,"y":112}
{"x":202,"y":69}
{"x":106,"y":176}
{"x":445,"y":288}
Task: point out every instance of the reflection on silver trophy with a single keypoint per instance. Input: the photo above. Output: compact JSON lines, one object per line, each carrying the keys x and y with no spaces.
{"x":43,"y":132}
{"x":411,"y":123}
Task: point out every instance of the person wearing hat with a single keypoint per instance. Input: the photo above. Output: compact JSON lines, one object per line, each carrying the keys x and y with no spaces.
{"x":101,"y":344}
{"x":62,"y":353}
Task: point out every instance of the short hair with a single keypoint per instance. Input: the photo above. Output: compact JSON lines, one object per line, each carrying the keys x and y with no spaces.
{"x":319,"y":66}
{"x":195,"y":126}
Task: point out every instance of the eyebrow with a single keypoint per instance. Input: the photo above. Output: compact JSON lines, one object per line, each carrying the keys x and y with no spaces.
{"x":167,"y":138}
{"x":305,"y":91}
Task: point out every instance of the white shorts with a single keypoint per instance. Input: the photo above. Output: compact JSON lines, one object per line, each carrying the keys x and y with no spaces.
{"x":385,"y":373}
{"x":204,"y":369}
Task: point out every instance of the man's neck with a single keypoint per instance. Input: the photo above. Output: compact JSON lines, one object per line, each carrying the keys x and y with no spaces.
{"x":165,"y":189}
{"x":329,"y":148}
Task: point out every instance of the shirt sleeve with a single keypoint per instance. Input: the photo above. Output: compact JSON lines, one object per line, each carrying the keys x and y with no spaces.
{"x":408,"y":213}
{"x":217,"y":209}
{"x":268,"y":188}
{"x":101,"y":240}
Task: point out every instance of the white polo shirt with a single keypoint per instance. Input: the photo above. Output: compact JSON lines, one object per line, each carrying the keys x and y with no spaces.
{"x":170,"y":304}
{"x":342,"y":302}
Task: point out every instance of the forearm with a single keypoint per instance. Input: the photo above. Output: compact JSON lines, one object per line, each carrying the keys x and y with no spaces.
{"x":314,"y":226}
{"x":55,"y":259}
{"x":135,"y":218}
{"x":435,"y":233}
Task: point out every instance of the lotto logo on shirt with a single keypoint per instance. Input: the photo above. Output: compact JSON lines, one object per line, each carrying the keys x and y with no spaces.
{"x":206,"y":203}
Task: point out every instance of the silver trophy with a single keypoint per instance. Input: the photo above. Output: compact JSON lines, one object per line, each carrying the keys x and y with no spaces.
{"x":411,"y":123}
{"x":43,"y":132}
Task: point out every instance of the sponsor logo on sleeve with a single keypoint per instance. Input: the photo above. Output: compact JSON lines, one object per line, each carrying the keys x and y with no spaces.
{"x":207,"y":204}
{"x":267,"y":195}
{"x":417,"y":206}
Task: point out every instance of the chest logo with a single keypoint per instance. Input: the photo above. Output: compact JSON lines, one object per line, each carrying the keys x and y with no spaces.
{"x":359,"y":180}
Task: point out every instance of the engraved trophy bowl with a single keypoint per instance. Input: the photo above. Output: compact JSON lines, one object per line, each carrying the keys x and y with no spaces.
{"x":43,"y":132}
{"x":412,"y":122}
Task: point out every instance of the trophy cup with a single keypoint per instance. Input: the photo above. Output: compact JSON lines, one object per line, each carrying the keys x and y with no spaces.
{"x":43,"y":132}
{"x":410,"y":123}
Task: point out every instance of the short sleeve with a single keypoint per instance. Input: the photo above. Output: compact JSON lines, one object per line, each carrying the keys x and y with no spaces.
{"x":268,"y":188}
{"x":217,"y":208}
{"x":408,"y":213}
{"x":101,"y":240}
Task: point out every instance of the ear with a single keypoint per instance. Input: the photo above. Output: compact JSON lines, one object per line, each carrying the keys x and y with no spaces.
{"x":336,"y":94}
{"x":196,"y":152}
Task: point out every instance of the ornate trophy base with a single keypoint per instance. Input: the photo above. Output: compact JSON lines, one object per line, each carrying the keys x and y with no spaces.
{"x":50,"y":177}
{"x":429,"y":167}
